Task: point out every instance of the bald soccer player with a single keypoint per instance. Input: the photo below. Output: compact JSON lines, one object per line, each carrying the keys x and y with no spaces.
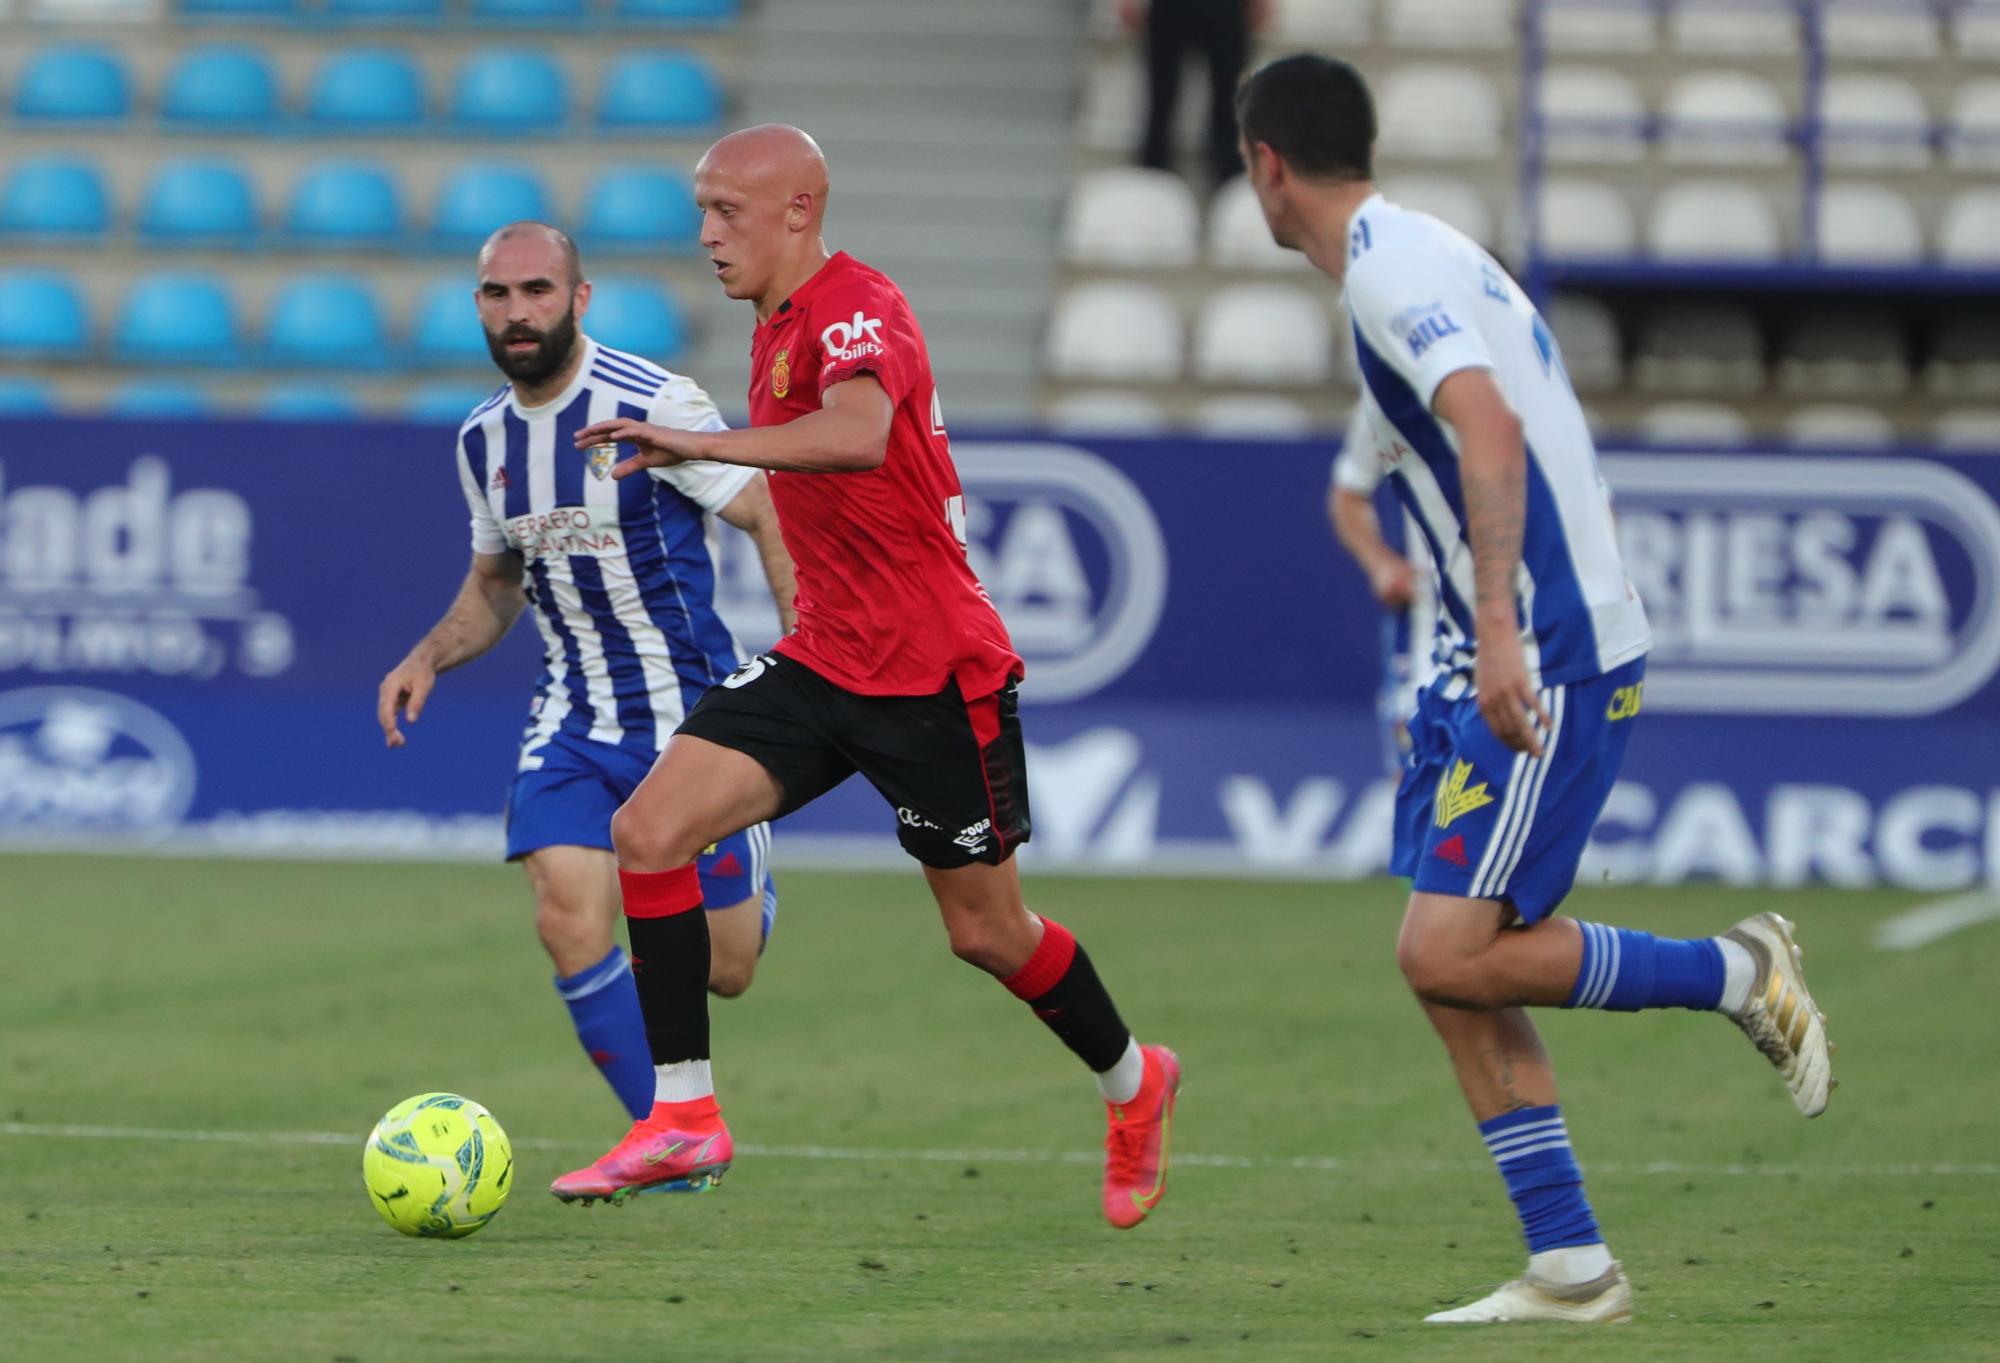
{"x":620,"y":577}
{"x":900,"y":670}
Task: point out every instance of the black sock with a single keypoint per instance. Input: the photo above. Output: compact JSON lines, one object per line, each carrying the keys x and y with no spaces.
{"x":1061,"y":985}
{"x":669,"y":960}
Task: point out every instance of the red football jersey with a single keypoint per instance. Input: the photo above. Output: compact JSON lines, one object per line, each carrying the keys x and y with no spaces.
{"x":887,"y":604}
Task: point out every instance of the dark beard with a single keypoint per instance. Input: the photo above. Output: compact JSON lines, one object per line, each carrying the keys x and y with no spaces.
{"x":552,"y":351}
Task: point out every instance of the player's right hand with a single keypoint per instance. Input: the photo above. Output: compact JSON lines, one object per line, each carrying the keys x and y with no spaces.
{"x":402,"y":694}
{"x":1394,"y":582}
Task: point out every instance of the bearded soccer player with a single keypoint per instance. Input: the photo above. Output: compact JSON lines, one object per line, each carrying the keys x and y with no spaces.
{"x":621,"y":580}
{"x":1542,"y":657}
{"x":900,"y":670}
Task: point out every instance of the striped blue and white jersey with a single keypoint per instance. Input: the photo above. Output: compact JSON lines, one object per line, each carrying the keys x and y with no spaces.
{"x":620,"y":575}
{"x":1426,"y":302}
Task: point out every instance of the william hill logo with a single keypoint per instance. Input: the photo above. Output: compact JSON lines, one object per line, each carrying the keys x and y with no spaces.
{"x":1456,"y":798}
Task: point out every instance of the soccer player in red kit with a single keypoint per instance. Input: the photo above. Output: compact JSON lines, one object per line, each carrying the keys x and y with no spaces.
{"x":899,"y":669}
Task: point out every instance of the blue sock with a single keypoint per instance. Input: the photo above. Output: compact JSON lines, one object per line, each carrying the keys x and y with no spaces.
{"x":1531,"y":1146}
{"x":1625,"y":971}
{"x":604,"y":1006}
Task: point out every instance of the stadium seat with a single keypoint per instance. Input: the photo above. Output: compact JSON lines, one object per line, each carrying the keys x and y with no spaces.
{"x":1840,"y":425}
{"x":1115,"y":331}
{"x":1869,"y":119}
{"x":636,"y":315}
{"x":325,"y":322}
{"x":1238,"y":237}
{"x":1449,"y":200}
{"x":1252,"y":416}
{"x":364,"y":89}
{"x":41,"y":316}
{"x":630,"y":207}
{"x":174,"y":318}
{"x":659,"y":91}
{"x":476,"y":199}
{"x":1975,"y":30}
{"x":1965,"y":357}
{"x":345,"y":203}
{"x":1735,"y":28}
{"x":1592,"y":351}
{"x":25,"y":397}
{"x":239,"y":9}
{"x":384,"y":11}
{"x":509,"y":92}
{"x":219,"y":88}
{"x":445,"y":332}
{"x":1320,"y":21}
{"x":546,"y":13}
{"x":1691,"y":422}
{"x":1972,"y":132}
{"x":1715,"y":221}
{"x":161,"y":400}
{"x":1869,"y":30}
{"x":1591,"y":113}
{"x":1968,"y":428}
{"x":73,"y":84}
{"x":1842,"y":352}
{"x":444,"y":404}
{"x":1732,"y":118}
{"x":54,"y":196}
{"x":1585,"y":220}
{"x":689,"y":12}
{"x":1439,"y":112}
{"x":1105,"y":411}
{"x":1269,"y":335}
{"x":197,"y":203}
{"x":1967,"y":238}
{"x":1699,"y":347}
{"x":309,"y":400}
{"x":1591,"y":28}
{"x":1864,"y":224}
{"x":1450,"y":23}
{"x":1130,"y":216}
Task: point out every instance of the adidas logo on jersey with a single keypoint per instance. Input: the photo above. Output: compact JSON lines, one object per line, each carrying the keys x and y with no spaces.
{"x":498,"y":482}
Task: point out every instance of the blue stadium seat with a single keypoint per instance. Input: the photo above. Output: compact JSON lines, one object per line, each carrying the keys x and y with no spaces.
{"x":41,"y":314}
{"x":445,"y":404}
{"x":309,"y":400}
{"x":71,"y":84}
{"x":550,"y":12}
{"x":385,"y":11}
{"x":220,"y":87}
{"x":176,"y":318}
{"x":54,"y":196}
{"x":371,"y":89}
{"x":478,"y":198}
{"x":326,"y":322}
{"x":25,"y":397}
{"x":446,"y":332}
{"x":635,"y":315}
{"x":158,"y":399}
{"x":345,"y":203}
{"x":240,"y":9}
{"x":660,"y":91}
{"x":677,"y":11}
{"x":629,"y":207}
{"x":197,"y":203}
{"x":509,"y":91}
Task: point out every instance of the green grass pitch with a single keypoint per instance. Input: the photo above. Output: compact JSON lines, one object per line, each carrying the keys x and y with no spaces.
{"x":910,"y":1191}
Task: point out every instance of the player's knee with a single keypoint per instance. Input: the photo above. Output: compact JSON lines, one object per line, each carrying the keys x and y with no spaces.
{"x":729,"y":978}
{"x":653,"y":840}
{"x":1433,"y":975}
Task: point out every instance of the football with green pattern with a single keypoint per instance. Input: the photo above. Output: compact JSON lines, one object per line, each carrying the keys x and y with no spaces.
{"x":438,"y":1165}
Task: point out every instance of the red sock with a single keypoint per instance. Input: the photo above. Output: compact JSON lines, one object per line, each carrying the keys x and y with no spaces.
{"x":695,"y":1113}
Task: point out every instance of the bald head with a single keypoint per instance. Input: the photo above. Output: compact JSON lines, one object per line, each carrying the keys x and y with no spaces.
{"x":771,"y":158}
{"x":531,"y":233}
{"x":762,"y":193}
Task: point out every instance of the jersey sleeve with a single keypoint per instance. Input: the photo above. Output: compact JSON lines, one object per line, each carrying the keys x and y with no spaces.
{"x":486,"y":535}
{"x":684,"y":405}
{"x":1358,"y":466}
{"x":866,"y":327}
{"x":1412,"y":312}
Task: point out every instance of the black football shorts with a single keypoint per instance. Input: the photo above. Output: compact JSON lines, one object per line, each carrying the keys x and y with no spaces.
{"x":953,"y":769}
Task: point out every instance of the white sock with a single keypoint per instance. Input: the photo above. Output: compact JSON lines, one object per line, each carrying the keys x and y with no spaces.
{"x":1739,"y":972}
{"x":682,"y":1082}
{"x":1120,"y":1083}
{"x":1570,"y":1265}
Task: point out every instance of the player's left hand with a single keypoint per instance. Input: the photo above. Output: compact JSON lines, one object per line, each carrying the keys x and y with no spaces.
{"x":658,"y":446}
{"x":1507,"y":702}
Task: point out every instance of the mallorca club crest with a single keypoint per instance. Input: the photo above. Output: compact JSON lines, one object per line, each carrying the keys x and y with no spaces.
{"x":781,"y":375}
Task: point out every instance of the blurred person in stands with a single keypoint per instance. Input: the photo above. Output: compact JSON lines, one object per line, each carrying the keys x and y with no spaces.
{"x":1220,"y":31}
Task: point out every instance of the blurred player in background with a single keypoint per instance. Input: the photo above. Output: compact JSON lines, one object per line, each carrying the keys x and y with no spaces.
{"x":621,"y":580}
{"x":1542,"y":648}
{"x":899,"y":669}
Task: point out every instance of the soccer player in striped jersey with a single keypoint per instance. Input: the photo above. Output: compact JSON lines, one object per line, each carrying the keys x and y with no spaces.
{"x":620,"y":578}
{"x":1542,"y":653}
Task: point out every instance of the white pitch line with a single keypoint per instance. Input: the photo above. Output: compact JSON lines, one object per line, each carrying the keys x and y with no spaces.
{"x":1319,"y":1163}
{"x":1927,"y":923}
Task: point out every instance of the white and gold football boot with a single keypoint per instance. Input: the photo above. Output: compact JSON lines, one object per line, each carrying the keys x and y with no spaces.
{"x":1604,"y":1300}
{"x":1780,"y":1017}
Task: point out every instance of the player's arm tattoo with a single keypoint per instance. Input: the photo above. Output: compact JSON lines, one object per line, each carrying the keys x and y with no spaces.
{"x":1493,"y":473}
{"x":487,"y":604}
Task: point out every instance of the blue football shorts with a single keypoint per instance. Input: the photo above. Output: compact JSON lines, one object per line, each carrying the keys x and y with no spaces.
{"x":569,"y":799}
{"x":1478,"y":820}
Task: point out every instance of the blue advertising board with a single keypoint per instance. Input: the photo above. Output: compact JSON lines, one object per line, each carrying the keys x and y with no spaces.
{"x":194,"y":618}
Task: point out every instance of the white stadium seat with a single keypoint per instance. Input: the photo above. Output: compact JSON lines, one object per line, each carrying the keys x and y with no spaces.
{"x":1253,"y":415}
{"x":1871,"y":119}
{"x":1115,"y":331}
{"x":1968,"y":238}
{"x":1834,"y":425}
{"x":1694,"y":423}
{"x":1591,"y":27}
{"x":1868,"y":225}
{"x":1106,"y":411}
{"x":1843,"y":353}
{"x":1450,"y":23}
{"x":1879,"y":29}
{"x":1716,"y":117}
{"x":1238,"y":237}
{"x":1735,"y":28}
{"x":1588,"y":335}
{"x":1969,"y":428}
{"x":1699,"y":348}
{"x":1972,"y":131}
{"x":1438,"y":112}
{"x":1591,"y":113}
{"x":1975,"y":30}
{"x":1965,"y":357}
{"x":1584,"y":220}
{"x":1114,"y":107}
{"x":1269,"y":335}
{"x":1450,"y":200}
{"x":1714,"y":220}
{"x":1320,"y":21}
{"x":1129,"y":216}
